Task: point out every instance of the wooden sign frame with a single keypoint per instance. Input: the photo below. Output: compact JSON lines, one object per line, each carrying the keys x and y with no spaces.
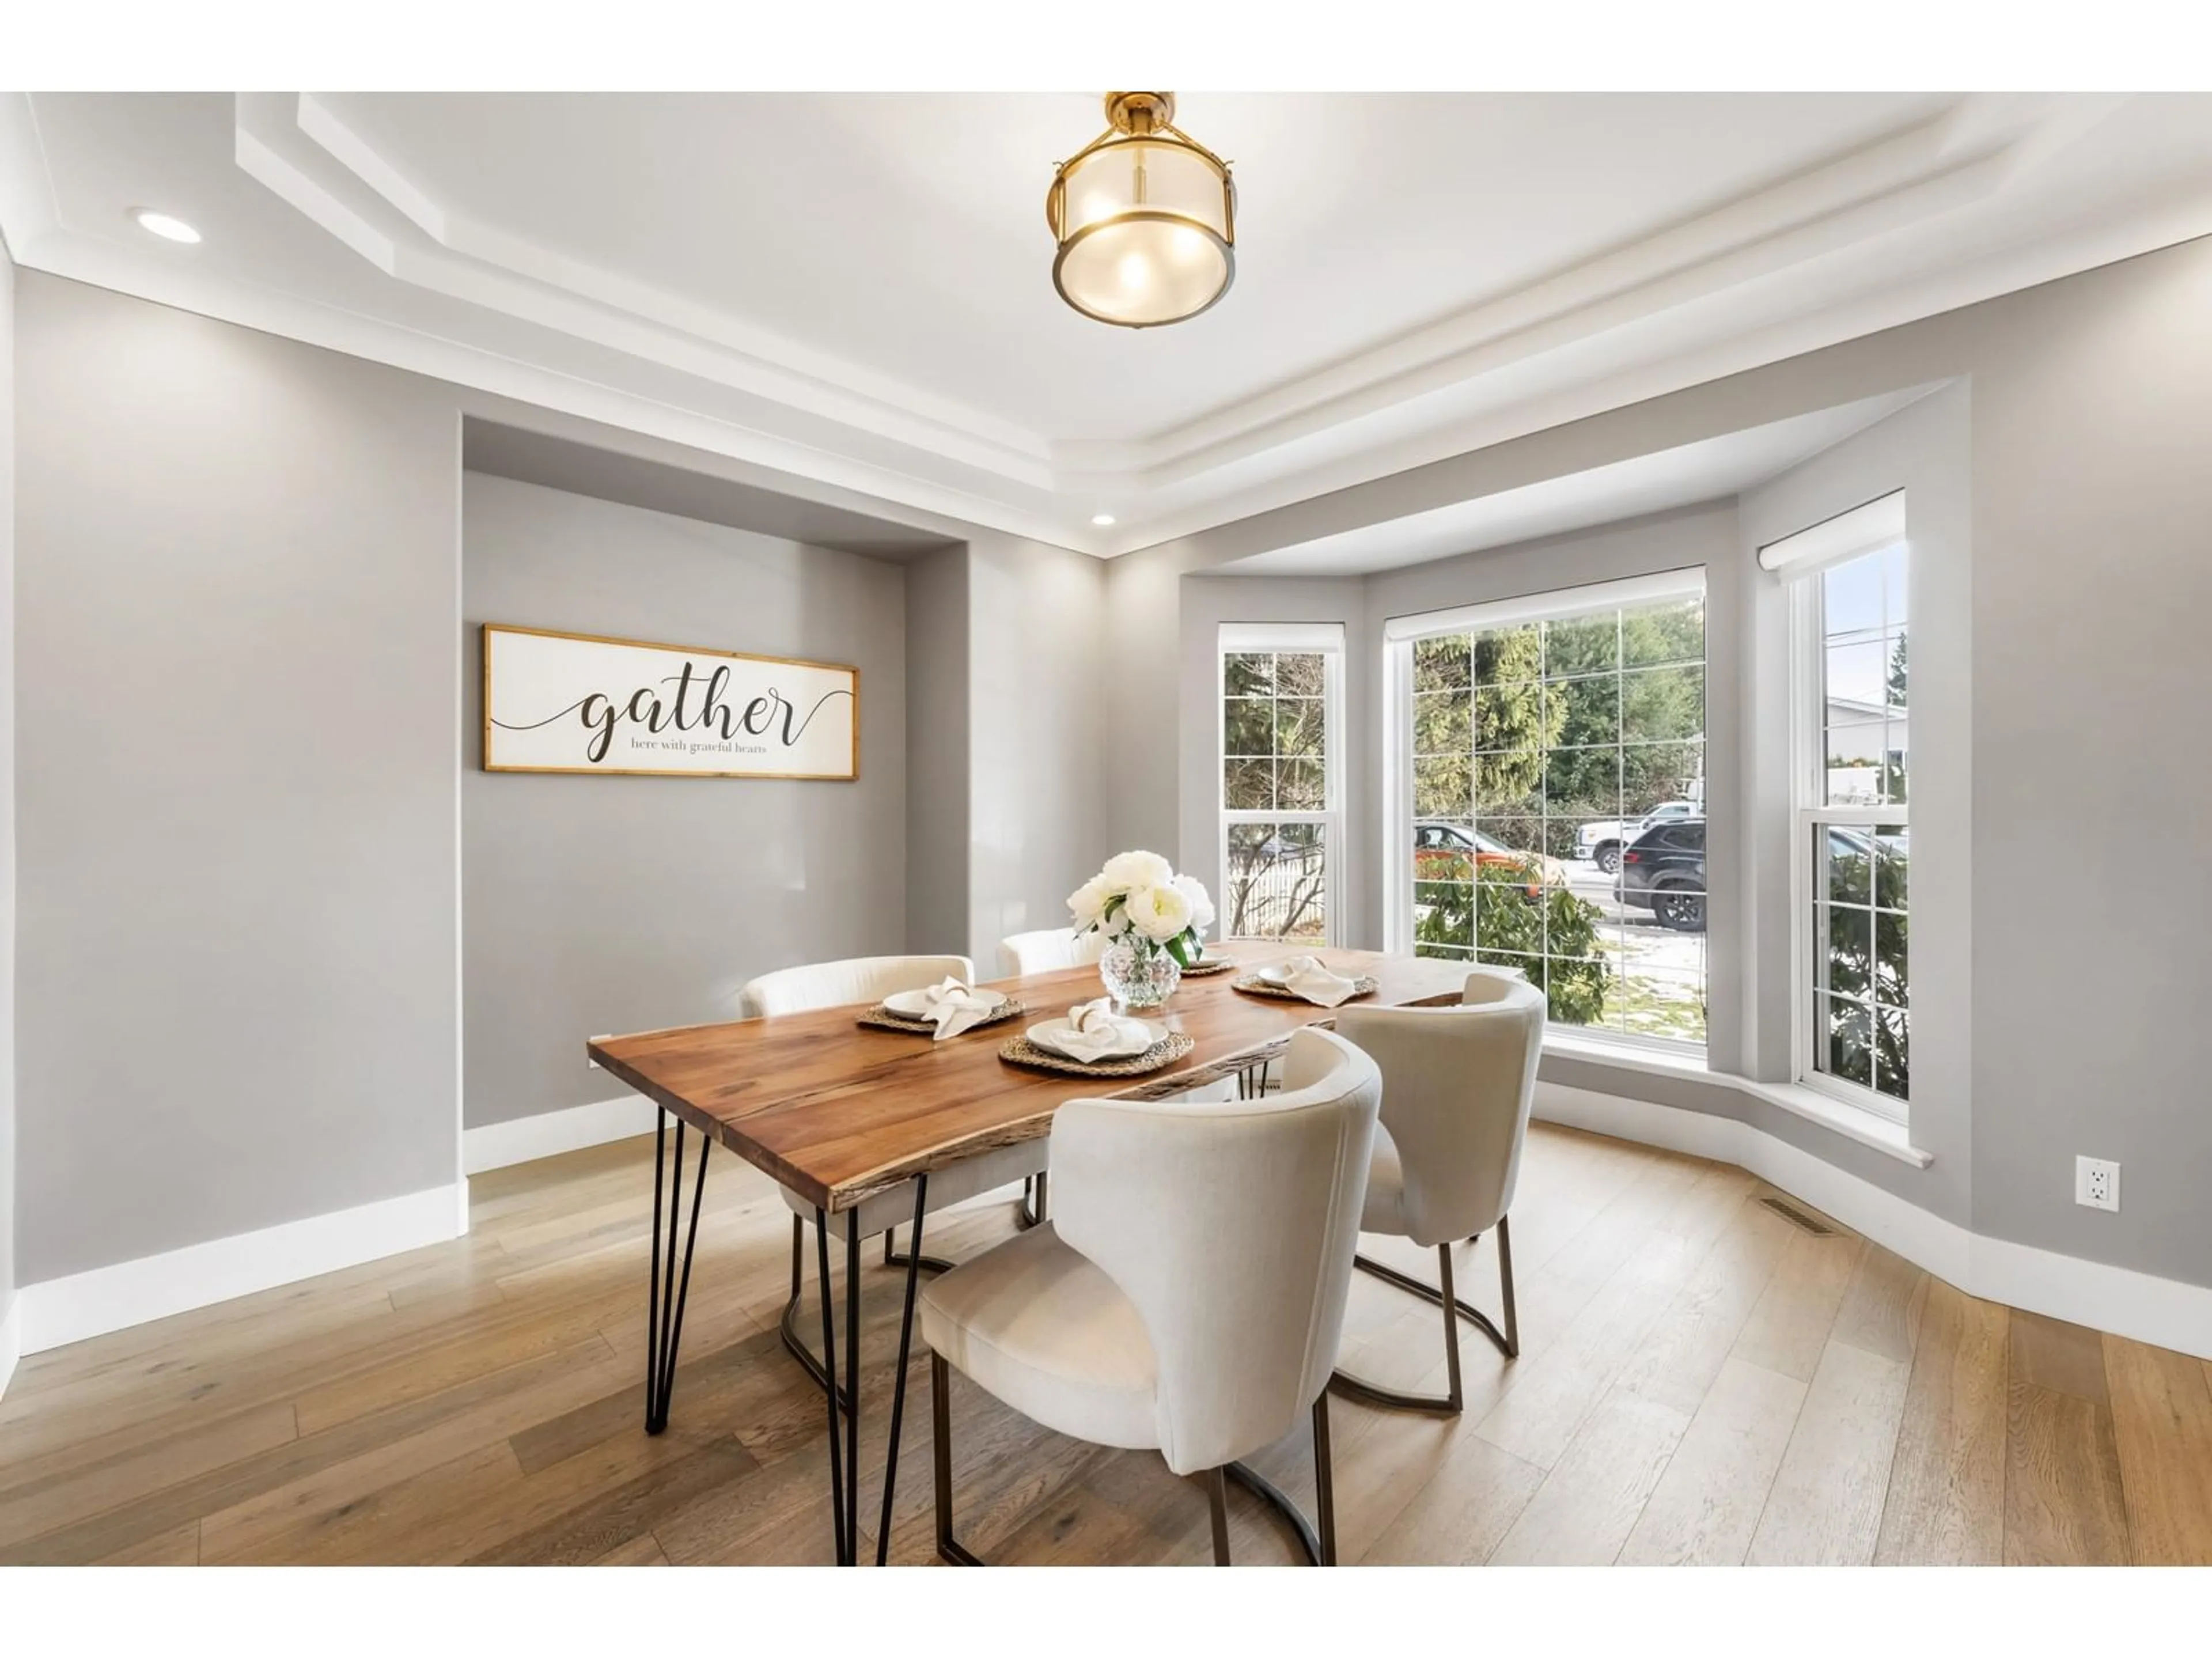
{"x":728,"y":714}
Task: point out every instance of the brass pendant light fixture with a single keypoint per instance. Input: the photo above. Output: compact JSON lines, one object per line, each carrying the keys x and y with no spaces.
{"x":1145,"y":217}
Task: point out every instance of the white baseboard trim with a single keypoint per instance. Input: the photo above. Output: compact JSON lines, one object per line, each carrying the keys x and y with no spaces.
{"x":65,"y":1310}
{"x":11,"y":1343}
{"x":496,"y":1145}
{"x":2163,"y":1311}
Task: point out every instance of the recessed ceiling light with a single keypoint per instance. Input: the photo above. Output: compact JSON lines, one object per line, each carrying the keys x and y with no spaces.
{"x":1102,"y":519}
{"x":166,"y":226}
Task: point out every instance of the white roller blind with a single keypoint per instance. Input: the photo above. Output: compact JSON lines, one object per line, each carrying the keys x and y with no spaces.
{"x":1556,"y":604}
{"x":1282,"y":637}
{"x":1867,"y":529}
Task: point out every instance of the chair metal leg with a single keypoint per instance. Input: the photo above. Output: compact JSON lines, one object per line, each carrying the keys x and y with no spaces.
{"x":788,"y":1326}
{"x":914,"y":1263}
{"x":1034,"y":1212}
{"x":949,"y":1548}
{"x":1458,"y":1396}
{"x":1508,"y":1340}
{"x":668,"y":1287}
{"x":1279,"y":1501}
{"x":1319,"y":1545}
{"x":1319,"y":1548}
{"x":935,"y":1264}
{"x":1324,"y":1478}
{"x":1505,"y":1284}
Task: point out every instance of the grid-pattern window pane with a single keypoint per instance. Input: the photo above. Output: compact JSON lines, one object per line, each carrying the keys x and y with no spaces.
{"x":1541,"y":750}
{"x":1275,"y":764}
{"x":1278,"y":884}
{"x":1274,"y":738}
{"x":1862,"y":680}
{"x":1859,"y":860}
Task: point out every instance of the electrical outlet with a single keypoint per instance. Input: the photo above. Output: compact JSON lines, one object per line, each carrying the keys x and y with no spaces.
{"x":588,"y":1060}
{"x":2097,"y":1183}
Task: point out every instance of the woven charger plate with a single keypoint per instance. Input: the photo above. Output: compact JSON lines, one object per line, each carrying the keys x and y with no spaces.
{"x":1206,"y":965}
{"x":1168,"y":1049}
{"x":1361,"y":987}
{"x":884,"y":1020}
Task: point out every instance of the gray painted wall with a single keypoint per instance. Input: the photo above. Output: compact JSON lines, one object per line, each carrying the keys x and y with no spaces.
{"x":259,"y":543}
{"x":937,"y":746}
{"x":1041,"y":769}
{"x":2092,"y":427}
{"x":6,"y":786}
{"x":2091,"y":414}
{"x":617,"y":904}
{"x":237,"y":565}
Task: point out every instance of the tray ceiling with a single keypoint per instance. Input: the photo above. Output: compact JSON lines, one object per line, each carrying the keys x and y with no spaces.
{"x":855,"y":289}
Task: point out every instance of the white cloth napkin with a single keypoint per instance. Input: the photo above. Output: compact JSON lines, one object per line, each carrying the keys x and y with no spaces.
{"x":953,"y":1006}
{"x":1305,"y":977}
{"x":1093,"y":1031}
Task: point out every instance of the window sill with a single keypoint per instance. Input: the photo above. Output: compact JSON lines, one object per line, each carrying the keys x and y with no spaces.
{"x":1849,"y":1122}
{"x":1864,"y":1128}
{"x":1630,"y":1056}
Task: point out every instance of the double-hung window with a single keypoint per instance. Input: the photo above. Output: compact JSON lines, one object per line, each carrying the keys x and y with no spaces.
{"x":1851,"y":624}
{"x":1282,"y":790}
{"x":1548,"y":806}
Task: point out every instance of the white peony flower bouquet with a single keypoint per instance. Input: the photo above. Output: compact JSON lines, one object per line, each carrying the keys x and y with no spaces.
{"x":1138,"y":899}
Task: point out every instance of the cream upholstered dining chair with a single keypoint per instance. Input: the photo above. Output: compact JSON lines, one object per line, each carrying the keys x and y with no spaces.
{"x":855,"y":979}
{"x":1457,"y":1084}
{"x":1049,"y":949}
{"x":870,"y":979}
{"x":1187,"y":1296}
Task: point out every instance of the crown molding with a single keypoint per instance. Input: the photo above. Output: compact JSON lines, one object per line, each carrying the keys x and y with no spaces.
{"x":29,"y":213}
{"x":434,"y":247}
{"x":1707,"y":296}
{"x":2081,"y":247}
{"x":104,"y":265}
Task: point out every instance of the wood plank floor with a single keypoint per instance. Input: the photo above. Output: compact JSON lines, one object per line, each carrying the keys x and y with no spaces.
{"x":1700,"y":1382}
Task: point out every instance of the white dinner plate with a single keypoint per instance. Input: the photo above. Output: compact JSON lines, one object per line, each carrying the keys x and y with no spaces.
{"x":1049,"y":1036}
{"x":914,"y":1004}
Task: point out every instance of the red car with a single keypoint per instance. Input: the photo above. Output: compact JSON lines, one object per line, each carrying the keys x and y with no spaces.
{"x":1454,"y":852}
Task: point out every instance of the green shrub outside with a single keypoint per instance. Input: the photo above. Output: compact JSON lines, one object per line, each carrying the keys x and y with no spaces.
{"x":1547,"y":932}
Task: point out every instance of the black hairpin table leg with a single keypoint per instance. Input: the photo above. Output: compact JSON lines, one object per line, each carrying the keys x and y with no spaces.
{"x":669,"y":1287}
{"x":914,"y":1264}
{"x":830,"y":1388}
{"x":845,"y":1459}
{"x":841,"y":1390}
{"x":851,"y":1387}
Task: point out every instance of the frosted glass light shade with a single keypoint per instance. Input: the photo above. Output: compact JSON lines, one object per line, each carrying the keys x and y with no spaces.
{"x":1145,"y":224}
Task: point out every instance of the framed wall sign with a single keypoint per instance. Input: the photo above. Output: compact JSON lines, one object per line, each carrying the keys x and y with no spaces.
{"x":580,"y":703}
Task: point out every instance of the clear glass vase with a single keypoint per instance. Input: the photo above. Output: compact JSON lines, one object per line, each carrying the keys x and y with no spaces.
{"x":1138,"y":976}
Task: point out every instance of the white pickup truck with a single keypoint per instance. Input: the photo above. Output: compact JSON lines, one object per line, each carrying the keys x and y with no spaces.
{"x":1601,"y":841}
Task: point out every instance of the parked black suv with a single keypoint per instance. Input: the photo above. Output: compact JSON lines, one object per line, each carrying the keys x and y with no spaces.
{"x":1664,"y":870}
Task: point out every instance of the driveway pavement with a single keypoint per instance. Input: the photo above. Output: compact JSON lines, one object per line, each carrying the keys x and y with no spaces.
{"x":1664,"y":992}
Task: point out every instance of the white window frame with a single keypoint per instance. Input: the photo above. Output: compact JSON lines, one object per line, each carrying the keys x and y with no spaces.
{"x":1809,"y":816}
{"x":1327,"y":640}
{"x":1399,"y":636}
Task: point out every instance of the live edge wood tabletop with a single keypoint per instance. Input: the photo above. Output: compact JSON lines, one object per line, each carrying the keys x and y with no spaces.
{"x":837,"y":1111}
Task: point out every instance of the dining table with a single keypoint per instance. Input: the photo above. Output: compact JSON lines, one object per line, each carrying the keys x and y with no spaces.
{"x":838,"y":1111}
